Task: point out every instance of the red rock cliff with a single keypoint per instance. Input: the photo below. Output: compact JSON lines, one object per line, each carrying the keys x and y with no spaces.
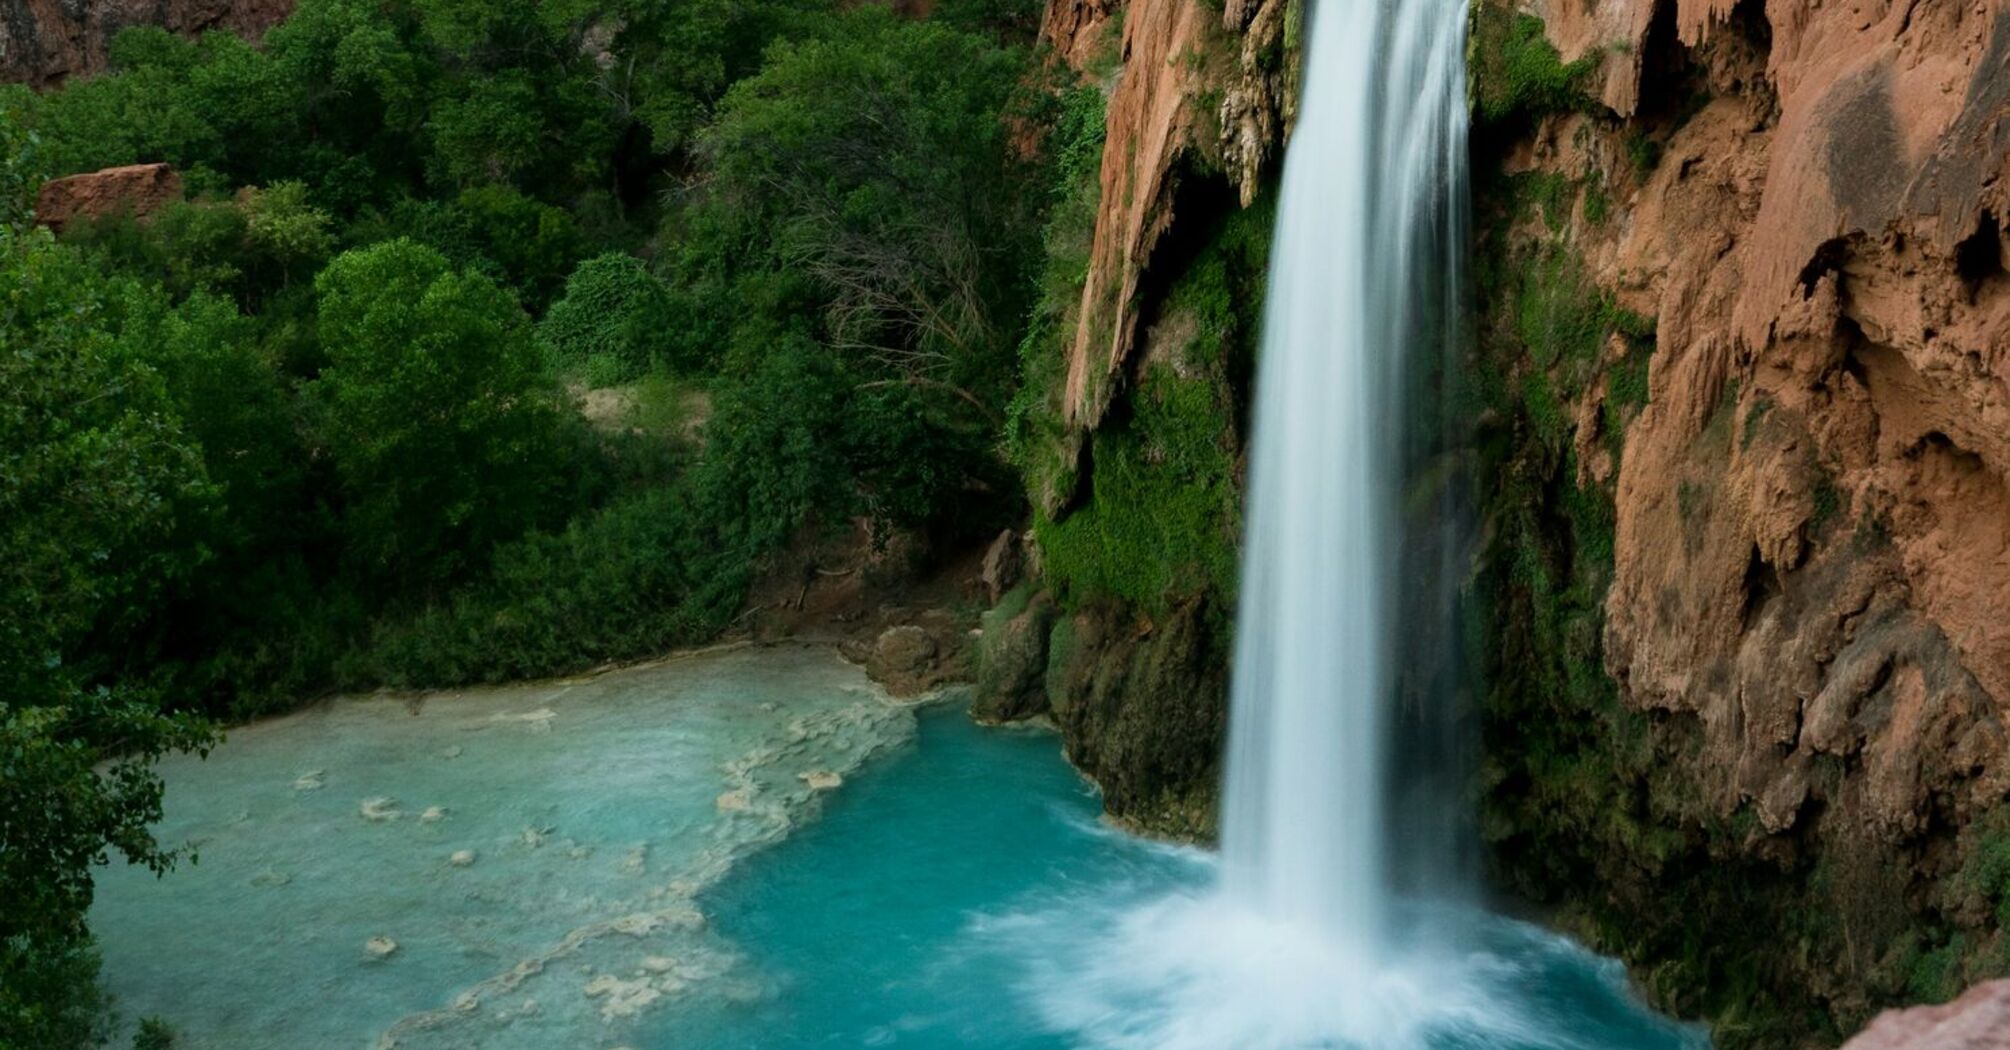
{"x":43,"y":41}
{"x":1808,"y":613}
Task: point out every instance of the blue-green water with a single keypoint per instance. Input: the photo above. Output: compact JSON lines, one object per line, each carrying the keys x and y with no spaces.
{"x":962,"y":893}
{"x":745,"y":849}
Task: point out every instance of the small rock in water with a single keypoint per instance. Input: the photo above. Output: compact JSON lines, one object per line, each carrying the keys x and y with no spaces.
{"x":453,"y":751}
{"x":467,"y":1001}
{"x":820,"y":780}
{"x":622,"y":998}
{"x":534,"y":837}
{"x":636,"y":862}
{"x":269,"y":878}
{"x":379,"y":809}
{"x":658,"y":964}
{"x":433,"y":815}
{"x":538,"y":721}
{"x":462,"y":858}
{"x":380,"y":947}
{"x":313,"y":781}
{"x":640,"y":924}
{"x":734,"y":801}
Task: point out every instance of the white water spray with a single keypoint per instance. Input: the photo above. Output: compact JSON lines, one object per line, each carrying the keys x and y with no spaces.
{"x":1363,"y":280}
{"x":1345,"y":609}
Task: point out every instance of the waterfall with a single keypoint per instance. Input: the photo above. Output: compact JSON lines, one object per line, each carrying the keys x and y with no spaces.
{"x":1363,"y":298}
{"x":1330,"y":923}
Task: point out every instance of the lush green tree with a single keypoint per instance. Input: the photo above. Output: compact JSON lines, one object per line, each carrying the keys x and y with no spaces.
{"x":611,"y":320}
{"x":875,"y":159}
{"x":284,"y":234}
{"x":94,"y":471}
{"x":445,"y":430}
{"x":513,"y":238}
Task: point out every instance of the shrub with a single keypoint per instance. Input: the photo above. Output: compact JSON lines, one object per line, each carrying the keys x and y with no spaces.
{"x":435,"y":409}
{"x":608,"y":320}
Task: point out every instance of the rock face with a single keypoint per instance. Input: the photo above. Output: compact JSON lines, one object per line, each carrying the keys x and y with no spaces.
{"x":1807,"y":623}
{"x":1823,"y":251}
{"x":136,"y":188}
{"x":1743,"y":455}
{"x":44,"y":41}
{"x":1138,"y":702}
{"x":1203,"y":85}
{"x":1979,"y":1020}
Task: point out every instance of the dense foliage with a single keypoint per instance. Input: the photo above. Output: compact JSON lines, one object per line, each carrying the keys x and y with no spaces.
{"x":329,"y":421}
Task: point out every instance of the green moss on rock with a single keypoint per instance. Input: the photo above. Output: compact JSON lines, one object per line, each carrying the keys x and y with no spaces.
{"x":1515,"y":73}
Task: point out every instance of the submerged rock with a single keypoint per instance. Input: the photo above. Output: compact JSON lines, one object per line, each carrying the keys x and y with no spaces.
{"x":538,"y":721}
{"x":433,"y":815}
{"x":821,"y":780}
{"x":379,"y":810}
{"x":313,"y":781}
{"x":380,"y":947}
{"x":621,"y":998}
{"x":462,"y":858}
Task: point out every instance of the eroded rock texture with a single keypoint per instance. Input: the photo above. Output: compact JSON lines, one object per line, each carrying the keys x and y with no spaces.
{"x":1808,"y":616}
{"x":1205,"y":88}
{"x":1832,"y":279}
{"x":44,"y":41}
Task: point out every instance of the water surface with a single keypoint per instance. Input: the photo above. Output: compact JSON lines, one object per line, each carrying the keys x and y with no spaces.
{"x":742,"y":849}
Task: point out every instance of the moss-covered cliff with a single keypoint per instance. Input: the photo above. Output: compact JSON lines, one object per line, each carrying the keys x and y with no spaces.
{"x":1737,"y":404}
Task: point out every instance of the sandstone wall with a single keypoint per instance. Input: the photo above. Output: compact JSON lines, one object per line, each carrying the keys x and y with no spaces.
{"x":44,"y":41}
{"x":1806,"y":609}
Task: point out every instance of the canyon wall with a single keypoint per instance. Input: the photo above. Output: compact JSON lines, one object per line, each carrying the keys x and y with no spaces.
{"x":1745,"y":328}
{"x":1130,"y":431}
{"x":44,"y":41}
{"x":1740,"y":406}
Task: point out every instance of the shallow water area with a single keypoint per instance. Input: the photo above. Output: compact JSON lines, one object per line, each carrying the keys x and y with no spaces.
{"x":496,"y":868}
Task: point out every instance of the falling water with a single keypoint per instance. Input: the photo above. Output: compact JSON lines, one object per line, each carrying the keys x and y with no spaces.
{"x":1364,"y":277}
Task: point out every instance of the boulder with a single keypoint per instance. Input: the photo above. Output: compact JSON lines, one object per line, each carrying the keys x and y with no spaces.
{"x":140,"y":189}
{"x":1012,"y":659}
{"x":902,"y":660}
{"x":1004,"y":565}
